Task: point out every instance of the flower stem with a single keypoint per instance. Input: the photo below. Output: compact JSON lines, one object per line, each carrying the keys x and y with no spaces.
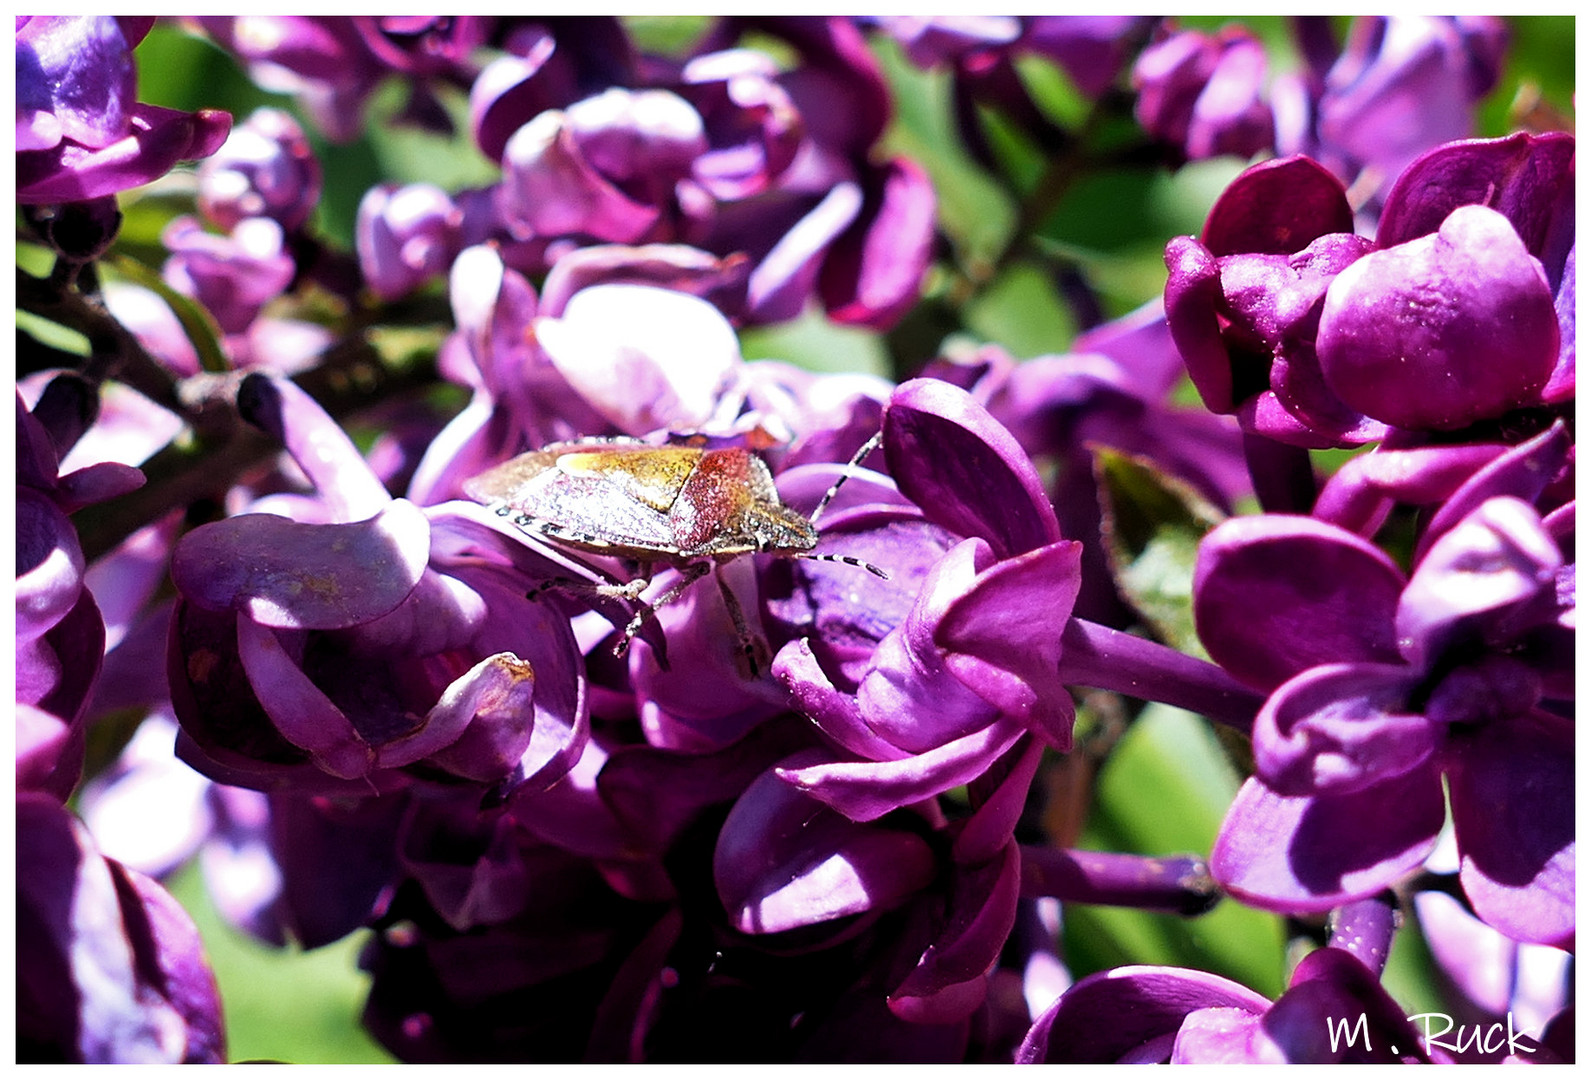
{"x":1177,"y":883}
{"x":1097,"y":656}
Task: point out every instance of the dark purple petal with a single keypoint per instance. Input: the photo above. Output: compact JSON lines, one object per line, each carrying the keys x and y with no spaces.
{"x":286,"y":574}
{"x":784,"y":861}
{"x":1193,"y":294}
{"x":1331,"y":986}
{"x":1513,"y":793}
{"x":1491,"y":566}
{"x":1341,"y":727}
{"x":874,"y":271}
{"x":967,"y":472}
{"x":977,"y":921}
{"x":1304,"y":853}
{"x":1560,"y":386}
{"x":1444,"y":330}
{"x":1521,"y":176}
{"x":1523,"y":472}
{"x":784,"y":279}
{"x":1276,"y":208}
{"x":1265,"y":622}
{"x":97,"y":973}
{"x":300,"y":710}
{"x":1129,"y":1014}
{"x":171,"y":956}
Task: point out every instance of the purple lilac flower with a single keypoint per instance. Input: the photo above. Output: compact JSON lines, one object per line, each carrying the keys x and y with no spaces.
{"x":264,"y":169}
{"x":362,"y":643}
{"x":1202,"y":93}
{"x":334,"y":63}
{"x":405,"y":236}
{"x":1380,"y":687}
{"x":1401,"y":86}
{"x":233,"y":276}
{"x":1276,"y":327}
{"x":80,"y":132}
{"x":60,"y":632}
{"x":110,"y":968}
{"x":724,"y":152}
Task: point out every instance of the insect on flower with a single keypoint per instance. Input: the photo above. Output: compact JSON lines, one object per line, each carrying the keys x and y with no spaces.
{"x":688,"y":507}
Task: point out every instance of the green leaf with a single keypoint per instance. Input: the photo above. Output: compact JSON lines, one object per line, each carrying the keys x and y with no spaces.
{"x":197,"y":323}
{"x":1164,"y":790}
{"x":1152,"y":526}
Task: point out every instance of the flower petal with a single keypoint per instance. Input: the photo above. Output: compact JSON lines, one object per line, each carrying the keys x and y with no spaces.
{"x":291,"y":575}
{"x":1298,"y":853}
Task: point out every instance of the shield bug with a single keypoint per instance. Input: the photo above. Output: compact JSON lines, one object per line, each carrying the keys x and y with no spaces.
{"x":689,"y":507}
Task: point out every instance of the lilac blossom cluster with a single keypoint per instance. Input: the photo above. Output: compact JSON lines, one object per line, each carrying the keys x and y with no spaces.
{"x":812,"y":814}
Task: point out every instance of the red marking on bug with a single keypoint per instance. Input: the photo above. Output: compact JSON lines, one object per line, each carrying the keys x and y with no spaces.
{"x":688,"y":507}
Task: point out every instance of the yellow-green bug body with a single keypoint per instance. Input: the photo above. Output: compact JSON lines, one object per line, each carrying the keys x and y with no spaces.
{"x":683,"y":506}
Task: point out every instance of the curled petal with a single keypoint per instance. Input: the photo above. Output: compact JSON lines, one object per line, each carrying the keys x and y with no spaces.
{"x":1341,"y":727}
{"x":1193,"y":292}
{"x":291,"y":575}
{"x":1491,"y":565}
{"x":479,"y":727}
{"x":865,"y":790}
{"x":1002,"y":637}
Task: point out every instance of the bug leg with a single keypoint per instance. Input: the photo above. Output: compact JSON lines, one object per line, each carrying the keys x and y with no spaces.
{"x":748,"y":643}
{"x":630,"y":591}
{"x":688,"y":576}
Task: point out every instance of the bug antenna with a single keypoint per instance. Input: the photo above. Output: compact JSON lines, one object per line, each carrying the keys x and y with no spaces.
{"x":856,"y":459}
{"x":846,"y":559}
